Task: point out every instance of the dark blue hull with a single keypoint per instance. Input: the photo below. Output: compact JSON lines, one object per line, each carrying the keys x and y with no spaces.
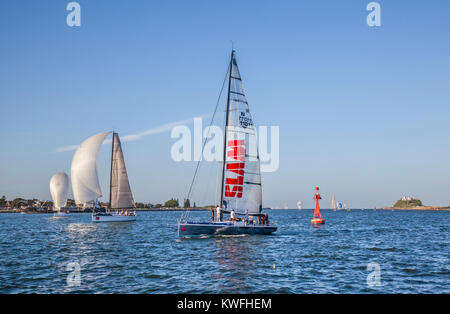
{"x":187,"y":229}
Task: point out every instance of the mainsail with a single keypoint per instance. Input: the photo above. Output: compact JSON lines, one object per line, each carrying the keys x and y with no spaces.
{"x":241,"y":179}
{"x":85,"y":184}
{"x":59,"y":189}
{"x":120,"y":193}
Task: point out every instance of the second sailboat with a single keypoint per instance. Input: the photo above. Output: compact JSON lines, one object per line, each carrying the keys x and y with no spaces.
{"x":86,"y":186}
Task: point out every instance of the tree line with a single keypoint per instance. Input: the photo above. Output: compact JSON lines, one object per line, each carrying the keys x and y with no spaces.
{"x":19,"y":202}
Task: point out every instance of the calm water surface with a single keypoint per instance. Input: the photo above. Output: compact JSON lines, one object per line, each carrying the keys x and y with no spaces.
{"x":411,"y":247}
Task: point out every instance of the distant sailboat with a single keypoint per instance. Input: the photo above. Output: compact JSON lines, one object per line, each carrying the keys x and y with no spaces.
{"x":86,"y":186}
{"x":338,"y":205}
{"x":333,"y":203}
{"x":299,"y":205}
{"x":241,"y":191}
{"x":59,"y":190}
{"x":286,"y":205}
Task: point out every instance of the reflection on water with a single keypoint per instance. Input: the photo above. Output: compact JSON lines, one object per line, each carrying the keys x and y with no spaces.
{"x":147,"y":257}
{"x":233,"y":257}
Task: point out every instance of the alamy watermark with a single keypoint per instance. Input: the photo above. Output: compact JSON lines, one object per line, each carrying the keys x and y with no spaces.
{"x":374,"y":277}
{"x":74,"y":17}
{"x":74,"y":277}
{"x":374,"y":17}
{"x":189,"y":147}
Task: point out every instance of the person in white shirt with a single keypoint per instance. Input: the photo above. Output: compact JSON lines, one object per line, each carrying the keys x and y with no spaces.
{"x":232,"y":215}
{"x":218,"y":216}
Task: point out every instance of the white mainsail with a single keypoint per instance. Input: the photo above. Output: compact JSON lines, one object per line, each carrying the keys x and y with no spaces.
{"x":299,"y":205}
{"x":242,"y":177}
{"x":85,"y":184}
{"x":121,"y":196}
{"x":59,"y":189}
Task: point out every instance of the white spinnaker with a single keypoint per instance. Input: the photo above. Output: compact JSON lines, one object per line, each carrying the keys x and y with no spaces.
{"x":59,"y":189}
{"x":85,"y":184}
{"x":241,"y":128}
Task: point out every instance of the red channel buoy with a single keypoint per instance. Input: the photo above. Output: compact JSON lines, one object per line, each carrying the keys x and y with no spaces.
{"x":317,"y":217}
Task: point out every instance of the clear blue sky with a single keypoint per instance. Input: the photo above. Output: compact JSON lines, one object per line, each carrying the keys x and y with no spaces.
{"x":363,"y":112}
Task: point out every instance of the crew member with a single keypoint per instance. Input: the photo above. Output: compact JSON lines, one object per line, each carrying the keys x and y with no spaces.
{"x":246,"y":217}
{"x":219,"y":214}
{"x":266,"y":219}
{"x":233,"y":215}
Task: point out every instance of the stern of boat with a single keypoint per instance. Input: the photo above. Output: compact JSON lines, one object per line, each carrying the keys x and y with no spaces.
{"x":112,"y":218}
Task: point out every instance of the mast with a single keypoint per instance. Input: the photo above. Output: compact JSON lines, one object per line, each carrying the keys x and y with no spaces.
{"x":226,"y":126}
{"x":110,"y":174}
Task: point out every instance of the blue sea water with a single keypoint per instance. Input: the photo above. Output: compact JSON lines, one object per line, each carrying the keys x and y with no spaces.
{"x":41,"y":254}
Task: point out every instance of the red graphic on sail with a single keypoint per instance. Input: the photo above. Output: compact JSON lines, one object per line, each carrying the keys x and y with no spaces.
{"x":234,"y":182}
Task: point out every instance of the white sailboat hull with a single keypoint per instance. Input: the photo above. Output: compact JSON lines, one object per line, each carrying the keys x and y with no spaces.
{"x":187,"y":229}
{"x":60,"y":214}
{"x":112,"y":218}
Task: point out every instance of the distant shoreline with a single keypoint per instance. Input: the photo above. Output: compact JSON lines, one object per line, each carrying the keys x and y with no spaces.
{"x":418,"y":208}
{"x":18,"y":211}
{"x":173,"y":209}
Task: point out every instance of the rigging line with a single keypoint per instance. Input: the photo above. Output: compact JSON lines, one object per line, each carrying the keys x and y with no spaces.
{"x":209,"y":130}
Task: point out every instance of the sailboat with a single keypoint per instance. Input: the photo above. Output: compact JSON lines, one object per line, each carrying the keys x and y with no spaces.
{"x":241,"y":192}
{"x":299,"y":205}
{"x":86,"y":186}
{"x":338,"y":205}
{"x":286,"y":205}
{"x":333,"y":203}
{"x":59,"y":190}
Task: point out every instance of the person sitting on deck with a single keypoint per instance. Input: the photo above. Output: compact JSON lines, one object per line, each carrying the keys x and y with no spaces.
{"x":246,"y":217}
